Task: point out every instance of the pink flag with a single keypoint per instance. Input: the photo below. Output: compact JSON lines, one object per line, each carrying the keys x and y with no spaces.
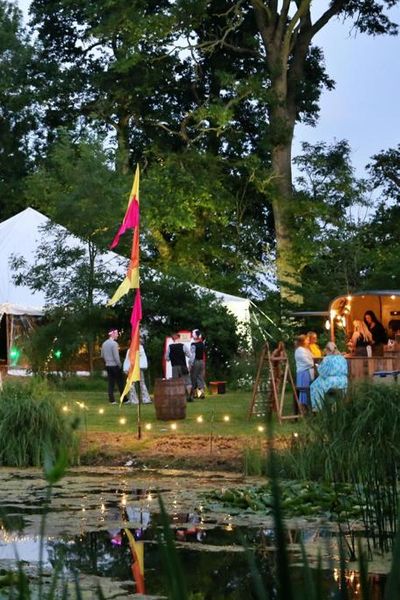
{"x":136,"y":315}
{"x":130,"y":221}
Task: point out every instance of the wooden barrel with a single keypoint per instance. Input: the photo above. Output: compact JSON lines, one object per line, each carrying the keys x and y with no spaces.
{"x":170,"y":399}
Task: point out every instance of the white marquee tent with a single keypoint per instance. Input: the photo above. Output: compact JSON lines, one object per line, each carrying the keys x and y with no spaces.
{"x":20,"y":236}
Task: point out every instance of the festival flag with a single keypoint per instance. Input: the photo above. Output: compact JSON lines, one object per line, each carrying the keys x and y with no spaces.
{"x":134,"y":349}
{"x":131,"y":281}
{"x":131,"y":218}
{"x":137,"y":551}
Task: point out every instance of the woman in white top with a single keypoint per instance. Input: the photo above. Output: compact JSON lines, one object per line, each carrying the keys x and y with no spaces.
{"x":143,"y":364}
{"x":304,"y":367}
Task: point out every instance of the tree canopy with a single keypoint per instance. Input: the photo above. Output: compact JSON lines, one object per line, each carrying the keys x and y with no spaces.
{"x":205,"y":95}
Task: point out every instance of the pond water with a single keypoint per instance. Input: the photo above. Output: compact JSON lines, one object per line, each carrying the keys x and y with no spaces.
{"x":91,"y":509}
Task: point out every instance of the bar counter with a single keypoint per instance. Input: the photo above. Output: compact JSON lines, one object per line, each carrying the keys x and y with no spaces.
{"x":363,"y":367}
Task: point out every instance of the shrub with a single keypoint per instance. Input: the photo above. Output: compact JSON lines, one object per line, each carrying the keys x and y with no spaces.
{"x":77,"y":383}
{"x":32,"y":426}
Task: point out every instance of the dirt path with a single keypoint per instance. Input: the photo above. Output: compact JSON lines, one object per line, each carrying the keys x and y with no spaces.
{"x":171,"y":451}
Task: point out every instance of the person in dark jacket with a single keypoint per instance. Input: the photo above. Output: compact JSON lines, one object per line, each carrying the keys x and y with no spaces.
{"x":176,"y":355}
{"x":197,"y":369}
{"x":378,"y":332}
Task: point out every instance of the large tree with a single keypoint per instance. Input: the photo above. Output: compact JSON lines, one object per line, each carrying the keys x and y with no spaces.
{"x":226,"y":79}
{"x":107,"y":64}
{"x":381,"y":234}
{"x":283,"y":43}
{"x":17,"y":115}
{"x":117,"y":66}
{"x":332,"y":211}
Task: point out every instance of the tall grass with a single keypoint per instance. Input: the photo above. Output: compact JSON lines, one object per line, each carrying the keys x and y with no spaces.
{"x":356,"y":440}
{"x":32,"y":425}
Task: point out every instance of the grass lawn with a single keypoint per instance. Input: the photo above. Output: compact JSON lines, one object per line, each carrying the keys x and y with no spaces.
{"x":224,"y":415}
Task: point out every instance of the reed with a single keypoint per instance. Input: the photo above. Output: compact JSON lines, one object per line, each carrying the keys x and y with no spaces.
{"x":356,"y":440}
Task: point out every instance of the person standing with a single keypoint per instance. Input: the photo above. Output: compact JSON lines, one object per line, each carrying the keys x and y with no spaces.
{"x":197,"y":354}
{"x":304,"y":369}
{"x":313,"y":346}
{"x":177,"y":353}
{"x":110,"y":355}
{"x":143,"y":365}
{"x":361,"y":339}
{"x":378,"y":332}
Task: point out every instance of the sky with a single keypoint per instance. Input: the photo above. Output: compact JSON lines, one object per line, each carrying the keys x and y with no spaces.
{"x":364,"y":107}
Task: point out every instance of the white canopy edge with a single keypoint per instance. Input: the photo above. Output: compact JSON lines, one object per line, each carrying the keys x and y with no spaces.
{"x":18,"y":309}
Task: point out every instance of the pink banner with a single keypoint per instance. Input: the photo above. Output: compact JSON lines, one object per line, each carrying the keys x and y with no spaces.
{"x":136,"y":315}
{"x":130,"y":221}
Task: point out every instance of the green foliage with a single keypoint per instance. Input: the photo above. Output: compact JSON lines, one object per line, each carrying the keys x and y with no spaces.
{"x":17,"y":121}
{"x":201,"y":217}
{"x":298,"y":499}
{"x":172,"y":565}
{"x":384,"y":170}
{"x":243,"y":371}
{"x":76,"y":186}
{"x":32,"y":427}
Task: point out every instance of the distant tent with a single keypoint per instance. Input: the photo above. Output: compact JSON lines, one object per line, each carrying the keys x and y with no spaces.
{"x":20,"y":307}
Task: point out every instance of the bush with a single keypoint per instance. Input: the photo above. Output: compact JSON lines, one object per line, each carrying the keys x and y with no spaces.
{"x":244,"y":370}
{"x":78,"y":383}
{"x":32,"y":426}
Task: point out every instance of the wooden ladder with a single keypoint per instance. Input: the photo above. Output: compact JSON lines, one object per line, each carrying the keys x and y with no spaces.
{"x":269,"y":391}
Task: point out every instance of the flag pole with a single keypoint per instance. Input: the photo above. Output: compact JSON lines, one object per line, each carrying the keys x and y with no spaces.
{"x":139,"y":412}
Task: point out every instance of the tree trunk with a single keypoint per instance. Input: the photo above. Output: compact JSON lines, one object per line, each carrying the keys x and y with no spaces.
{"x":91,"y":356}
{"x":282,"y":119}
{"x":283,"y":207}
{"x":122,"y":155}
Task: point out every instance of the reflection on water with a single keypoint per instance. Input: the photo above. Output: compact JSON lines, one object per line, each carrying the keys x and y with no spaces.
{"x":213,"y":559}
{"x":112,"y":526}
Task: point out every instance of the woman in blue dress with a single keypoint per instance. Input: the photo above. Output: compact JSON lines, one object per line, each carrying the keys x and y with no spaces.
{"x":332,"y":375}
{"x":304,"y":367}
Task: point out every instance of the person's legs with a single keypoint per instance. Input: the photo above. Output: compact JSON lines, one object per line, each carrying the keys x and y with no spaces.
{"x":201,"y":384}
{"x":193,"y":379}
{"x":303,"y":380}
{"x":111,"y":382}
{"x":197,"y":377}
{"x":133,"y":399}
{"x":120,"y":378}
{"x":143,"y":389}
{"x":188,"y":386}
{"x":317,"y":393}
